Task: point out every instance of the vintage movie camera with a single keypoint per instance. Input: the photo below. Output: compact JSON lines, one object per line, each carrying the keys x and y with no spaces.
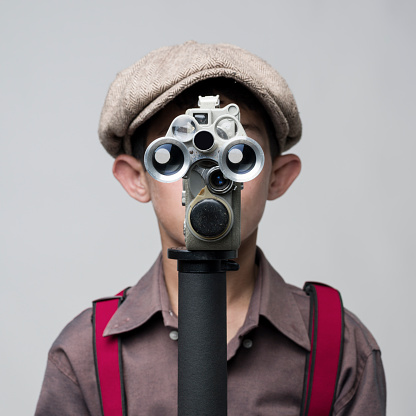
{"x":209,"y":149}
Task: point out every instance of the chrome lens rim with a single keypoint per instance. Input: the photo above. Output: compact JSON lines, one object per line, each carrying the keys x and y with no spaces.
{"x":148,"y":157}
{"x":254,"y":171}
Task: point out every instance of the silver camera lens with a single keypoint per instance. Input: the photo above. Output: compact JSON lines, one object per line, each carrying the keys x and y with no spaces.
{"x":167,"y":159}
{"x":241,"y":160}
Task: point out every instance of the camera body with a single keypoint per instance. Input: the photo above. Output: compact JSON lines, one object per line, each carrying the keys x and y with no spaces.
{"x":209,"y":149}
{"x":212,"y":219}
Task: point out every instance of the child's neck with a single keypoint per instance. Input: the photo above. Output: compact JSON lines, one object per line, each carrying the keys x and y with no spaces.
{"x":240,"y":284}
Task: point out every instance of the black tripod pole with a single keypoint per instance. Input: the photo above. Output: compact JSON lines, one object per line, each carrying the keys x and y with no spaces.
{"x":202,"y":343}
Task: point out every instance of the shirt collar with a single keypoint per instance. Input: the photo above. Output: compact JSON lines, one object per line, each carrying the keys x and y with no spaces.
{"x":148,"y":297}
{"x":277,"y":303}
{"x":272,"y":298}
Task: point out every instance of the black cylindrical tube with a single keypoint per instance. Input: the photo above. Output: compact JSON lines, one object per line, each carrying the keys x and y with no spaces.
{"x":202,"y":343}
{"x":202,"y":349}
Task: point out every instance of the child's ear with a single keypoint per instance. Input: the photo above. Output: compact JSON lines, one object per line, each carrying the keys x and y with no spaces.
{"x":132,"y":176}
{"x":285,"y":170}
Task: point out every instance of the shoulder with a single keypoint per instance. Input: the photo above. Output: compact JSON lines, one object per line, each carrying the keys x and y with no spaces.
{"x":361,"y":377}
{"x":356,"y":334}
{"x":69,"y":385}
{"x":76,"y":330}
{"x":72,"y":350}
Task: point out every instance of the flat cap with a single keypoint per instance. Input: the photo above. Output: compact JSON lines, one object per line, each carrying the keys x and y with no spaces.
{"x":144,"y":88}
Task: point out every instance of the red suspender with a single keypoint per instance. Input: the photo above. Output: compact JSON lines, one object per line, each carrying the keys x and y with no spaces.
{"x":326,"y":332}
{"x":107,"y":357}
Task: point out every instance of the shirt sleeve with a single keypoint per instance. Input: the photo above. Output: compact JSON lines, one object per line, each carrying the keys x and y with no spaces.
{"x":369,"y":394}
{"x":60,"y":394}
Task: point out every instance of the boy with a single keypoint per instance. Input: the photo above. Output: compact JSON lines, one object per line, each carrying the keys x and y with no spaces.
{"x":267,"y":320}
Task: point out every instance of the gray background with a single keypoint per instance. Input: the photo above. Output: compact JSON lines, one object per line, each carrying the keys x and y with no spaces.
{"x":69,"y":232}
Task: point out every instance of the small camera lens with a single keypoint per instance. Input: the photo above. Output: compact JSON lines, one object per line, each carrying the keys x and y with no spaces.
{"x":217,"y":183}
{"x":218,"y":180}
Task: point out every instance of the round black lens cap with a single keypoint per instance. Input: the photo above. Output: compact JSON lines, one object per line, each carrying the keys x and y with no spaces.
{"x":203,"y":140}
{"x":209,"y":218}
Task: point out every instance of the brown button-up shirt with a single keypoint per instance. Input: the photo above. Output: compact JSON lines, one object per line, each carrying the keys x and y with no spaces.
{"x":266,"y":359}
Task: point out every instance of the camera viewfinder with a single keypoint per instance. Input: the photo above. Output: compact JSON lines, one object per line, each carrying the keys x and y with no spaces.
{"x":201,"y":118}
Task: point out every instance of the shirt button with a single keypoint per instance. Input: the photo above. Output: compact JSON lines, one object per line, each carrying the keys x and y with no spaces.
{"x":247,"y":343}
{"x":173,"y":335}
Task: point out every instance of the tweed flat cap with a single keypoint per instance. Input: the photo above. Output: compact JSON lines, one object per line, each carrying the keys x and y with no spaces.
{"x":144,"y":88}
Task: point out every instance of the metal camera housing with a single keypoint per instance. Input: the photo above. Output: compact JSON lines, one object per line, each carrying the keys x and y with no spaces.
{"x":209,"y":149}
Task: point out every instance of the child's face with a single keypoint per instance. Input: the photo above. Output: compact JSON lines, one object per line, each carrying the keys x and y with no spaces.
{"x":166,"y":197}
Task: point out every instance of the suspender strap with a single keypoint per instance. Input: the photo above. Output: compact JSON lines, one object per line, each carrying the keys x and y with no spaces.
{"x":107,"y":357}
{"x":326,"y":332}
